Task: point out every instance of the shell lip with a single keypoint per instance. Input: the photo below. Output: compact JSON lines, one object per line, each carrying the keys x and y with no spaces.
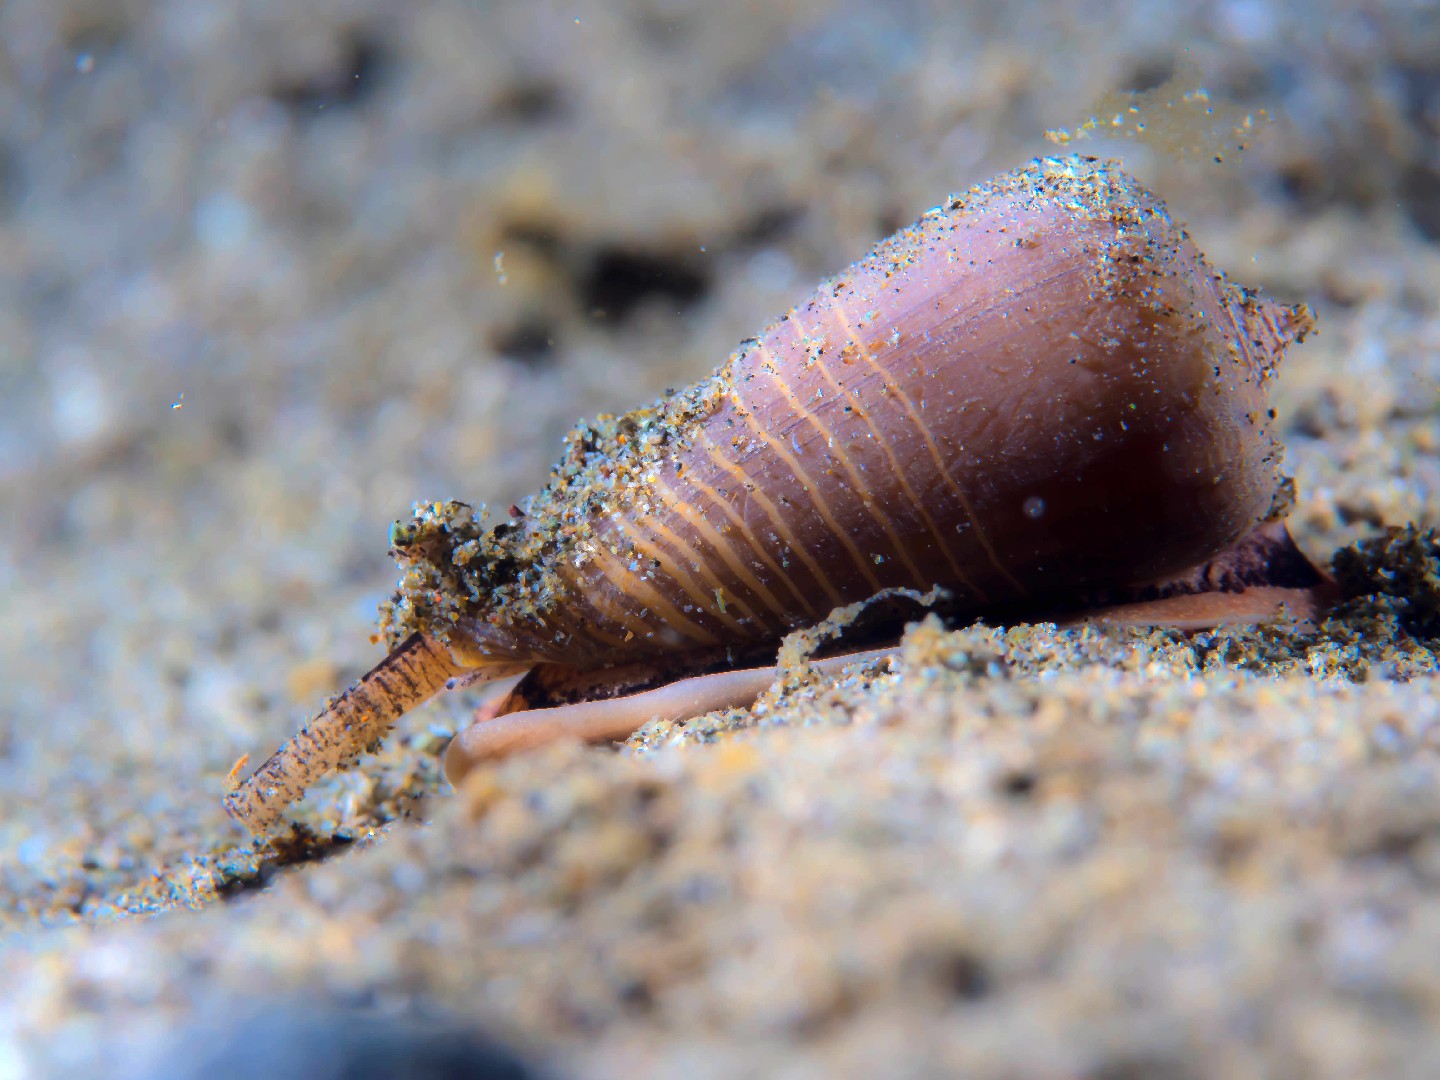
{"x":1265,"y":562}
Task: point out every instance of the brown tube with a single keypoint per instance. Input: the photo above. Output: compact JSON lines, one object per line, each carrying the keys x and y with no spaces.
{"x":350,"y":724}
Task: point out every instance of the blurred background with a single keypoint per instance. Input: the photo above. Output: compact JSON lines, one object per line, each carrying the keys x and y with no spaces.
{"x":269,"y":272}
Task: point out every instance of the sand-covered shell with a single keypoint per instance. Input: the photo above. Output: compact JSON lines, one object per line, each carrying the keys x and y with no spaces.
{"x":1040,"y":389}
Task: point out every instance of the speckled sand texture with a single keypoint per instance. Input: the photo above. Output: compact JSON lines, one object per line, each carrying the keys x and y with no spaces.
{"x":391,"y":252}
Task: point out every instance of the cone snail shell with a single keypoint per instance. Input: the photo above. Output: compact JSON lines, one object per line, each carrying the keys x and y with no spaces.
{"x":1039,"y":390}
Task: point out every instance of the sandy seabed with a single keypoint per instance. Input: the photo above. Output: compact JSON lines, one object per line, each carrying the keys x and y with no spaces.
{"x":391,"y":252}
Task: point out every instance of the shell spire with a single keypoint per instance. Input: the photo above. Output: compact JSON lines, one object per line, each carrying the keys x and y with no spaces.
{"x":1271,"y":327}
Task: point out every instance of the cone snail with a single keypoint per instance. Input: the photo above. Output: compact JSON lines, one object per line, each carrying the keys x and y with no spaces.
{"x":1037,"y":395}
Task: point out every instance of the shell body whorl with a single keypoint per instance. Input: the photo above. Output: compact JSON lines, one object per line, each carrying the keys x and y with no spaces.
{"x":1040,"y":389}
